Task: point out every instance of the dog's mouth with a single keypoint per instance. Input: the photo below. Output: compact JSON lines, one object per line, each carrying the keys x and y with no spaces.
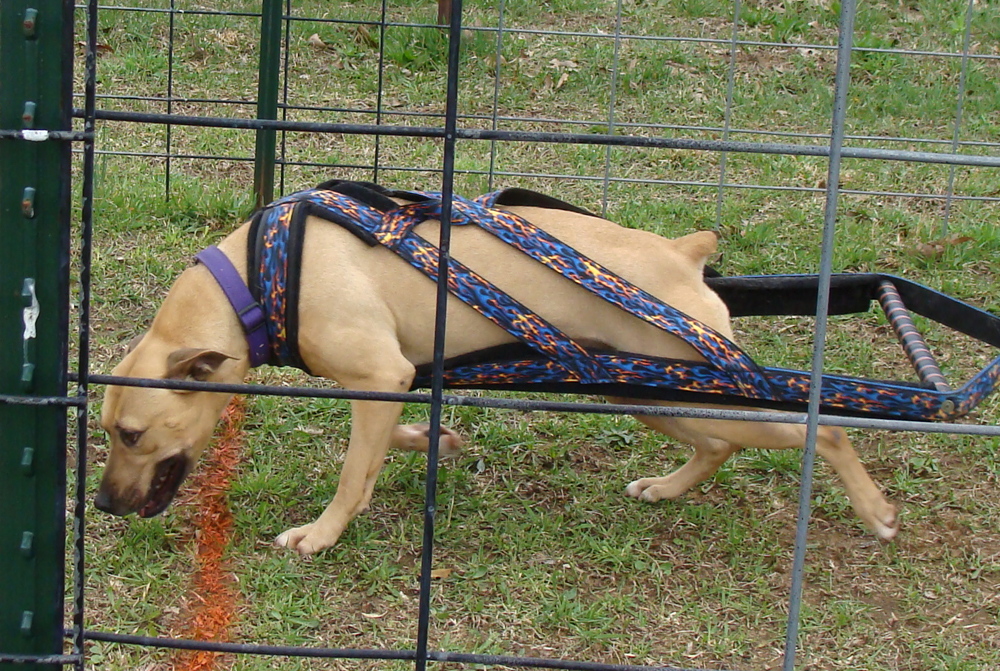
{"x":169,"y":475}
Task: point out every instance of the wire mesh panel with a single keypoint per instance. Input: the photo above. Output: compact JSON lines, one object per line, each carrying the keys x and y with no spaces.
{"x":814,"y":137}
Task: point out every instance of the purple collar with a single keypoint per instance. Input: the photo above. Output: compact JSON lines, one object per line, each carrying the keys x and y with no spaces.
{"x":247,"y":309}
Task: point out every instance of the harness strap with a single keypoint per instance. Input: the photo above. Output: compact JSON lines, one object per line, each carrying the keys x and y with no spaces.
{"x":394,"y":230}
{"x":488,"y":300}
{"x":598,"y":280}
{"x":274,"y":273}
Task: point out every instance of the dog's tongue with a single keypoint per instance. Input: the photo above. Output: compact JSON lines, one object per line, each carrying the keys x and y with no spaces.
{"x":154,"y":507}
{"x":158,"y":502}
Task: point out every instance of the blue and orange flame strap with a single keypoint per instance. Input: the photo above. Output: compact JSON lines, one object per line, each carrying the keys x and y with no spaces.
{"x":394,"y":231}
{"x":728,"y":374}
{"x":587,"y":273}
{"x":665,"y":379}
{"x":273,"y":277}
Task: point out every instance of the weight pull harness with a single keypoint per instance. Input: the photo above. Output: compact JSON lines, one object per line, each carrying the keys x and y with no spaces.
{"x":545,"y":359}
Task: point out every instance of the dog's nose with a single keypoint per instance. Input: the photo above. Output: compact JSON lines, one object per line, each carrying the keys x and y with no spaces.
{"x":103,"y":502}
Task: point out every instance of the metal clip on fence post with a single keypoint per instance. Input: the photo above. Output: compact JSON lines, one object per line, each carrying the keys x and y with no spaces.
{"x":30,"y":317}
{"x":29,"y":27}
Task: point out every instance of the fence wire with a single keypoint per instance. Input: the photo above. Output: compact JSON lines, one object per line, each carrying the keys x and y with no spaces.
{"x":452,"y":126}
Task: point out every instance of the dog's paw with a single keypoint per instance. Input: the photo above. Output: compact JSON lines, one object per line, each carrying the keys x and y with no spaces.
{"x":450,"y":443}
{"x":885,"y":523}
{"x":414,"y":437}
{"x":650,"y":490}
{"x":301,"y":540}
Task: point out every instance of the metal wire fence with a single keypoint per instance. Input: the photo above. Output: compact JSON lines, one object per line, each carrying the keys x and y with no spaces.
{"x":287,"y":123}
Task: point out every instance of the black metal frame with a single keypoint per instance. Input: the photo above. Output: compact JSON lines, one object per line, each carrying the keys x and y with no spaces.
{"x":450,"y":133}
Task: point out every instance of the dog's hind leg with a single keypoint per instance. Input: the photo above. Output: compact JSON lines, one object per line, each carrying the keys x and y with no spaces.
{"x":709,"y":455}
{"x":416,"y":438}
{"x":712,"y":439}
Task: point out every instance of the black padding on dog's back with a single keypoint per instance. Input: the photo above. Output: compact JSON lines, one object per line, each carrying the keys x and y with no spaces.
{"x":516,"y":196}
{"x":368,"y":193}
{"x":411,"y":196}
{"x":337,"y":184}
{"x":372,"y":194}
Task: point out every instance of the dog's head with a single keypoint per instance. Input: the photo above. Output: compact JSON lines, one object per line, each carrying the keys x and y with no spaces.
{"x":157,"y":435}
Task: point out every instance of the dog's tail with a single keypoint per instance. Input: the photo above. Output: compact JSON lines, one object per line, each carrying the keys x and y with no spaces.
{"x":698,"y":246}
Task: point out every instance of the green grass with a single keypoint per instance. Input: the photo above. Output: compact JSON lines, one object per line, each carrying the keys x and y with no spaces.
{"x":547,"y":556}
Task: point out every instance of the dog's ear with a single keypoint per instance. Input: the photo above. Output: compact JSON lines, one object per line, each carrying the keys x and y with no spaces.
{"x":134,"y":342}
{"x":191,"y":363}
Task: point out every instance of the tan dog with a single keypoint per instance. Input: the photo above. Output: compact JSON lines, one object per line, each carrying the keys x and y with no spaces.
{"x":366,"y":321}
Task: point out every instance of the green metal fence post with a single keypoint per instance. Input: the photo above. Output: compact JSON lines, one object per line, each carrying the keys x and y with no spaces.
{"x":36,"y":52}
{"x":269,"y":70}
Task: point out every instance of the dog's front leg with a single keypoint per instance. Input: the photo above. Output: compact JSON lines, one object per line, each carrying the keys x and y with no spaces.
{"x":372,"y":425}
{"x":361,"y":362}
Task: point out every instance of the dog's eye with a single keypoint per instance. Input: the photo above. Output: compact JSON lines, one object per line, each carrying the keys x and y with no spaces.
{"x":129,"y":438}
